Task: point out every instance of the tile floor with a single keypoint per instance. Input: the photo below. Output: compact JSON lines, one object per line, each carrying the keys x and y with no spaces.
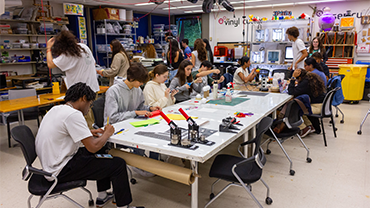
{"x":339,"y":175}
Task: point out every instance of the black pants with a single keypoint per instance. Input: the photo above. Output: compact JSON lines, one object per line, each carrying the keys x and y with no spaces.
{"x":85,"y":166}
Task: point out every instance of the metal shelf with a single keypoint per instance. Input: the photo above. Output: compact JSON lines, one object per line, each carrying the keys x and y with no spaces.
{"x":23,"y":35}
{"x":109,"y":20}
{"x":23,"y":49}
{"x":119,"y":34}
{"x":17,"y":63}
{"x":32,"y":21}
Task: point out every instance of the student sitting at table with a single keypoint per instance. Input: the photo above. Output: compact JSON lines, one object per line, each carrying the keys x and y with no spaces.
{"x":311,"y":65}
{"x":125,"y":99}
{"x":204,"y":73}
{"x":155,"y":92}
{"x":183,"y":82}
{"x":318,"y":57}
{"x":242,"y":75}
{"x":58,"y":145}
{"x":312,"y":85}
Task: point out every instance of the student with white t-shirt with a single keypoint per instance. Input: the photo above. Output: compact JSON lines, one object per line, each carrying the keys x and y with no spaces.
{"x":75,"y":59}
{"x":242,"y":75}
{"x":63,"y":130}
{"x":299,"y":49}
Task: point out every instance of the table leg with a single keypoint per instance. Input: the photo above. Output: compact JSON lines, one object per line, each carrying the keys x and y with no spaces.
{"x":20,"y":117}
{"x":274,"y":114}
{"x":246,"y":138}
{"x":253,"y":133}
{"x":194,"y":186}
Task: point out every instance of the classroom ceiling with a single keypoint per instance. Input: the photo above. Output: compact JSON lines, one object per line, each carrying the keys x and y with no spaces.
{"x":178,"y":7}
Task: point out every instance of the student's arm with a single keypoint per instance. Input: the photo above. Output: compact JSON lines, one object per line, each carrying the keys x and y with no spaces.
{"x":142,"y":105}
{"x":115,"y":67}
{"x":197,"y":87}
{"x":248,"y":78}
{"x":208,"y":72}
{"x":49,"y":57}
{"x":112,"y":109}
{"x":193,"y":59}
{"x":175,"y":84}
{"x":95,"y":144}
{"x":300,"y":89}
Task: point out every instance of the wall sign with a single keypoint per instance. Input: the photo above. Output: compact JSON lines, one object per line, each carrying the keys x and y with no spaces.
{"x":82,"y":28}
{"x":73,"y":9}
{"x":282,"y":13}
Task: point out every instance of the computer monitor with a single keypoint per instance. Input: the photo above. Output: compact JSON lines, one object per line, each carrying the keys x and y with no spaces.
{"x":288,"y":53}
{"x":273,"y":56}
{"x":2,"y":81}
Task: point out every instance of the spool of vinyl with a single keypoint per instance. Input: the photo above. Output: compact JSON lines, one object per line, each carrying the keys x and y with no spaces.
{"x":165,"y":170}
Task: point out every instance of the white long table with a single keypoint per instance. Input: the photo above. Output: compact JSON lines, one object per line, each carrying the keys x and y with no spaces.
{"x":258,"y":105}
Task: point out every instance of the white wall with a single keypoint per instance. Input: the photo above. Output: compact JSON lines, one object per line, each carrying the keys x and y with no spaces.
{"x":229,"y":33}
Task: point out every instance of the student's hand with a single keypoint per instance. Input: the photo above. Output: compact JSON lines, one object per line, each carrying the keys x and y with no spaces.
{"x":173,"y":93}
{"x":155,"y":108}
{"x":109,"y":130}
{"x":296,"y":66}
{"x":96,"y":132}
{"x":198,"y":80}
{"x":296,"y":73}
{"x":222,"y":78}
{"x":99,"y":72}
{"x":290,"y":68}
{"x":167,"y":92}
{"x":143,"y":113}
{"x":187,"y":86}
{"x":50,"y":43}
{"x":216,"y":71}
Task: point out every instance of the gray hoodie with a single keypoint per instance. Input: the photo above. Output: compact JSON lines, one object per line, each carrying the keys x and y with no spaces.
{"x":121,"y":102}
{"x":184,"y":93}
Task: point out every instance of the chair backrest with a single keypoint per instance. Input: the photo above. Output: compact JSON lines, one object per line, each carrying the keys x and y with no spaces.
{"x":21,"y":93}
{"x":287,"y":72}
{"x":326,"y":104}
{"x":264,"y":73}
{"x":24,"y":136}
{"x":292,"y":118}
{"x":98,"y":111}
{"x":228,"y":78}
{"x":262,"y":127}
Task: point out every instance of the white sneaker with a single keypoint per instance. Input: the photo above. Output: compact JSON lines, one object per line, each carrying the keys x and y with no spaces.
{"x":143,"y":172}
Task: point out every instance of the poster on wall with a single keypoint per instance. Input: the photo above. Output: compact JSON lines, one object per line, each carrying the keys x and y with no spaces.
{"x":73,"y":9}
{"x":82,"y":28}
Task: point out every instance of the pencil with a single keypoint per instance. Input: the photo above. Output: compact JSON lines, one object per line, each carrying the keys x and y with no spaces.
{"x":108,"y":120}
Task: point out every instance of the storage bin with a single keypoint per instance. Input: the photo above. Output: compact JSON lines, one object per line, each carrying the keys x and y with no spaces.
{"x":21,"y":31}
{"x":354,"y":81}
{"x":16,"y":45}
{"x":106,"y":13}
{"x":24,"y":59}
{"x":367,"y":79}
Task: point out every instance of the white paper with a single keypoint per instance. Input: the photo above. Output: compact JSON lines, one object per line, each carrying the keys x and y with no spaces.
{"x":208,"y":110}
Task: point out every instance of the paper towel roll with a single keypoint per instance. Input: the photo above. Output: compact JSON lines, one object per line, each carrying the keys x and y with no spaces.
{"x":165,"y":170}
{"x":129,"y":15}
{"x":122,"y":14}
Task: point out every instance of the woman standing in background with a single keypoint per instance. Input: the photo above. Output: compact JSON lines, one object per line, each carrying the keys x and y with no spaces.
{"x":316,"y":46}
{"x":120,"y":63}
{"x":174,"y":57}
{"x":209,"y":50}
{"x":199,"y":54}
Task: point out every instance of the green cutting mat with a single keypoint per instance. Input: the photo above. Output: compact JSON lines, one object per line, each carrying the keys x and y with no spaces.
{"x":234,"y":102}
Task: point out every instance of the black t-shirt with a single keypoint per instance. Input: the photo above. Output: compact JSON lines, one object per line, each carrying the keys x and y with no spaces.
{"x":304,"y":88}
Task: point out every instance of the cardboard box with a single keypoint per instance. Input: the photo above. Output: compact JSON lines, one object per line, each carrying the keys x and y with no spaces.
{"x":9,"y":78}
{"x":106,"y":13}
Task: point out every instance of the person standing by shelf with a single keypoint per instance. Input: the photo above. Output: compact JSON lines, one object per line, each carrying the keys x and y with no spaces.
{"x":199,"y":54}
{"x":299,"y":49}
{"x":174,"y":57}
{"x":316,"y":46}
{"x":187,"y":50}
{"x":209,"y":50}
{"x":120,"y":62}
{"x":76,"y":60}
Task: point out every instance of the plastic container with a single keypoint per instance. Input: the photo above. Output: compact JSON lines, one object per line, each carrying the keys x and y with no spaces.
{"x":354,"y":80}
{"x":34,"y":45}
{"x":48,"y":27}
{"x":21,"y":30}
{"x":25,"y":45}
{"x":367,"y":79}
{"x":122,"y":14}
{"x":42,"y":45}
{"x":16,"y":45}
{"x":24,"y":59}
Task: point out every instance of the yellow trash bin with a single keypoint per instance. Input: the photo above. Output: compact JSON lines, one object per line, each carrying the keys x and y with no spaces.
{"x":354,"y":82}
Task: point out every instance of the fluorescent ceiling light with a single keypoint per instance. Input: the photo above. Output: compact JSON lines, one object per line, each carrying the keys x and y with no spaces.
{"x":144,"y":4}
{"x":182,"y":7}
{"x":188,"y":11}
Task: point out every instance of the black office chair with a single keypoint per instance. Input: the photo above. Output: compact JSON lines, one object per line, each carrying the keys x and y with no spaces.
{"x":241,"y":171}
{"x":98,"y":111}
{"x":264,"y":73}
{"x":28,"y":114}
{"x":292,"y":120}
{"x":287,"y":72}
{"x":326,"y":112}
{"x":38,"y":185}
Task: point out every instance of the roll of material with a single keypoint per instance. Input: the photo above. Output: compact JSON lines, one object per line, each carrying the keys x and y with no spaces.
{"x":122,"y":14}
{"x":165,"y":170}
{"x":129,"y":15}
